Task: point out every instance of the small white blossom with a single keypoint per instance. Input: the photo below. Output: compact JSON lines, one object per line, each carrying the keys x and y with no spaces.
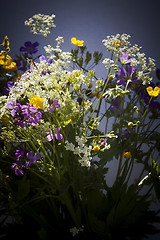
{"x":41,"y":24}
{"x":74,"y":231}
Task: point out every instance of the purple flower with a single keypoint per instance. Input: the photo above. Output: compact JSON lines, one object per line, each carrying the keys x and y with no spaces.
{"x":124,"y":74}
{"x":104,"y":142}
{"x":49,"y":136}
{"x":23,"y":161}
{"x":24,"y":114}
{"x":32,"y":159}
{"x":20,"y":153}
{"x":124,"y":58}
{"x":57,"y":135}
{"x":17,"y":168}
{"x":42,"y":58}
{"x":6,"y":90}
{"x":29,"y":47}
{"x":54,"y":104}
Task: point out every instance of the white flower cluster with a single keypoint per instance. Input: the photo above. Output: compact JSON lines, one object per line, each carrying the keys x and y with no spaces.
{"x":119,"y":45}
{"x":83,"y":151}
{"x":74,"y":231}
{"x":41,"y":24}
{"x":53,"y":53}
{"x":109,"y":63}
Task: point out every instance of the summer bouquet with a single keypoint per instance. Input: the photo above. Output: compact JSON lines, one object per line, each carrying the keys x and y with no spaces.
{"x":65,"y":133}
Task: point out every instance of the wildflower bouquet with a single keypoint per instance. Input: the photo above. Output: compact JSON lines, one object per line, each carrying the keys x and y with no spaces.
{"x":64,"y":134}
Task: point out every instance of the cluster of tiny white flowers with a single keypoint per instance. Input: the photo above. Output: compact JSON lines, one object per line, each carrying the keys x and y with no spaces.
{"x":118,"y":43}
{"x":59,"y":40}
{"x":52,"y":53}
{"x":83,"y":151}
{"x":109,"y":63}
{"x":74,"y":231}
{"x":49,"y":49}
{"x":41,"y":24}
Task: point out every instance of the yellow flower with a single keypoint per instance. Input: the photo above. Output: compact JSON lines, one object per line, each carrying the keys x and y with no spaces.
{"x":116,"y":44}
{"x":37,"y":102}
{"x":96,"y":148}
{"x":153,"y":92}
{"x":76,"y":42}
{"x":6,"y":62}
{"x":127,"y":155}
{"x":130,"y":124}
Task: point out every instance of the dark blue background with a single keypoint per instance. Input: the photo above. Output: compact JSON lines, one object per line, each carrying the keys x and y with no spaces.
{"x":89,"y":20}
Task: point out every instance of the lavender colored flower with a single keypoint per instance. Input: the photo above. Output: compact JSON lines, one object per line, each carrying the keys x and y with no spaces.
{"x":29,"y":47}
{"x":42,"y":58}
{"x":124,"y":58}
{"x":58,"y":136}
{"x":54,"y":104}
{"x":24,"y":114}
{"x":49,"y":136}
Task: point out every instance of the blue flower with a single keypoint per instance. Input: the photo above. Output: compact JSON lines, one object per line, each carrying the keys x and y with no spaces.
{"x":29,"y":47}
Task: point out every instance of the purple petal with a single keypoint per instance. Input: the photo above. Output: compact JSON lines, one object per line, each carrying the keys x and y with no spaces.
{"x":30,"y":155}
{"x":58,"y":136}
{"x":36,"y":157}
{"x":28,"y":44}
{"x":10,"y":105}
{"x":42,"y":58}
{"x":49,"y":136}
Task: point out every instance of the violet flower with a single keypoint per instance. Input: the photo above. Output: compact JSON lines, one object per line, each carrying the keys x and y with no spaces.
{"x":58,"y":136}
{"x":24,"y":114}
{"x":32,"y":159}
{"x":124,"y":58}
{"x":17,"y":168}
{"x":23,"y":161}
{"x":6,"y":90}
{"x":54,"y":105}
{"x":29,"y":47}
{"x":124,"y":74}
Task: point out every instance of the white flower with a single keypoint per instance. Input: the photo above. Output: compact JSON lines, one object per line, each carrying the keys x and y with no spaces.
{"x":74,"y":231}
{"x":109,"y":63}
{"x":41,"y":24}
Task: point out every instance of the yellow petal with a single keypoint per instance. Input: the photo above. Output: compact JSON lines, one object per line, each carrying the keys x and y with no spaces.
{"x":37,"y":102}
